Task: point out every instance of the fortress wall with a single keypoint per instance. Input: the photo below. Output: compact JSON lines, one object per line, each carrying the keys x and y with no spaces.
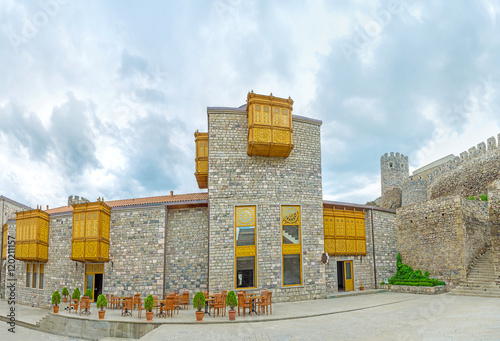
{"x":466,"y":175}
{"x":476,"y":229}
{"x":494,"y":214}
{"x":431,"y":237}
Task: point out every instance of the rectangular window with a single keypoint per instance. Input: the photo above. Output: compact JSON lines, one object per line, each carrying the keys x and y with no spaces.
{"x":245,"y":247}
{"x":292,"y":245}
{"x":35,"y":270}
{"x":28,"y":275}
{"x":42,"y":275}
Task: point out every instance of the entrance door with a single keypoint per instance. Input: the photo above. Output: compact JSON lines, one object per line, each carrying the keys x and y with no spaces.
{"x":94,"y":278}
{"x":348,"y":278}
{"x":340,"y":276}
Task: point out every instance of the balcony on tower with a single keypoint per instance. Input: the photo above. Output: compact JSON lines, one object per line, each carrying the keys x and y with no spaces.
{"x":32,"y":236}
{"x":269,"y":125}
{"x":201,"y":140}
{"x":90,"y":242}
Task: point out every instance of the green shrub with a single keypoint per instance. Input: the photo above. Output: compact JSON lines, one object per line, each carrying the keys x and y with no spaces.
{"x":149,"y":303}
{"x":76,"y":294}
{"x":198,"y":301}
{"x":88,"y":293}
{"x":101,"y":302}
{"x":484,"y":197}
{"x":56,"y":298}
{"x":405,"y":275}
{"x":471,"y":198}
{"x":65,"y":292}
{"x":231,"y":300}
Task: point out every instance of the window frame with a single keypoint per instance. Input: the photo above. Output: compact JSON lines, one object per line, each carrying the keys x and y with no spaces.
{"x":283,"y":285}
{"x":28,"y":275}
{"x":235,"y":258}
{"x":41,"y":275}
{"x":34,"y":276}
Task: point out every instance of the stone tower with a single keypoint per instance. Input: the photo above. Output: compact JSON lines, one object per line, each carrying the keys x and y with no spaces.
{"x":393,"y":169}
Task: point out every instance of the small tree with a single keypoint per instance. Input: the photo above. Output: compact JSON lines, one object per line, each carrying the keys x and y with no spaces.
{"x":101,"y":302}
{"x":231,"y":300}
{"x":65,"y":292}
{"x":76,"y":294}
{"x":199,"y":301}
{"x":149,"y":303}
{"x":88,"y":293}
{"x":56,"y":298}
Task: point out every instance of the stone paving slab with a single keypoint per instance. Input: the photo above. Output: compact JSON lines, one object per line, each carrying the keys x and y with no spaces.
{"x":25,"y":315}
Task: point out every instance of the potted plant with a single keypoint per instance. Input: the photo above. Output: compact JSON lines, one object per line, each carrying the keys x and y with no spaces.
{"x":198,"y":304}
{"x":149,"y":303}
{"x":361,"y":287}
{"x":65,"y":293}
{"x":76,"y":294}
{"x":56,"y":299}
{"x":88,"y":293}
{"x":232,"y":302}
{"x":101,"y":303}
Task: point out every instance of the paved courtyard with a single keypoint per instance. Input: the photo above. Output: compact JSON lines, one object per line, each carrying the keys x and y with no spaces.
{"x":383,"y":316}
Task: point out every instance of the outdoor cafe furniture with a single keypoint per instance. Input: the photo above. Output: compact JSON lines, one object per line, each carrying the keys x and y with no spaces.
{"x":262,"y":302}
{"x":74,"y":305}
{"x":270,"y":301}
{"x":244,"y":302}
{"x":177,"y":305}
{"x":127,"y":306}
{"x":184,"y":300}
{"x":113,"y":302}
{"x":168,"y":308}
{"x":218,"y":304}
{"x":140,"y":308}
{"x":85,"y":305}
{"x":135,"y":302}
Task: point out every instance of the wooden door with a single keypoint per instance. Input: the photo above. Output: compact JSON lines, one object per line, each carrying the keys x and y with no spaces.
{"x":348,"y":276}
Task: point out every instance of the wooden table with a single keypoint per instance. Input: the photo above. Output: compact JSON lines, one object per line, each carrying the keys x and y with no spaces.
{"x":209,"y":298}
{"x":253,"y":297}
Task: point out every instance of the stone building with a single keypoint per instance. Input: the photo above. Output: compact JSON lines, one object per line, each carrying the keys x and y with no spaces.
{"x":261,"y":224}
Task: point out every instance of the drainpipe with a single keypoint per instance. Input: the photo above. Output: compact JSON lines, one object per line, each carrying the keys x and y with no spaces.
{"x":165,"y":252}
{"x":373,"y":248}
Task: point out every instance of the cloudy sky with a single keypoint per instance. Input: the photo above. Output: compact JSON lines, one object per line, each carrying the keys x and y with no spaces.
{"x":101,"y":98}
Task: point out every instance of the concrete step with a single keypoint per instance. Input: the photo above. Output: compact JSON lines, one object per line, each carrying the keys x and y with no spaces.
{"x":471,"y":293}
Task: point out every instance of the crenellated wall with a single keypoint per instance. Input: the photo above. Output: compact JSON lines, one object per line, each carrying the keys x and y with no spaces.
{"x":466,"y":175}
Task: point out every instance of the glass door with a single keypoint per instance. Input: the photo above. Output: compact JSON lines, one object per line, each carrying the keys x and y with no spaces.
{"x":348,"y":278}
{"x":94,"y":278}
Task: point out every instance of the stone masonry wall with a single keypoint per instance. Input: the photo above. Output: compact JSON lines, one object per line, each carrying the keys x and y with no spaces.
{"x":187,"y":250}
{"x":136,"y":252}
{"x":494,"y":215}
{"x":477,"y":235}
{"x":267,"y":182}
{"x":431,"y":237}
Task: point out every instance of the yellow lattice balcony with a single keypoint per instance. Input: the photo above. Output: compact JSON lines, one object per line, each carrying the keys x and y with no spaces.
{"x":32,"y":236}
{"x":90,"y":242}
{"x":201,"y":140}
{"x":344,"y":231}
{"x":269,"y":125}
{"x":4,"y":244}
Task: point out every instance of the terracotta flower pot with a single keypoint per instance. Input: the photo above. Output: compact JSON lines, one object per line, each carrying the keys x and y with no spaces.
{"x":65,"y":300}
{"x":361,"y":288}
{"x":56,"y":309}
{"x":199,"y":315}
{"x":149,"y":316}
{"x":101,"y":314}
{"x":232,"y":315}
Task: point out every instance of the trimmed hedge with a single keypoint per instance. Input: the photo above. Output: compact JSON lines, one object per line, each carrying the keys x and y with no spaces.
{"x":405,"y":275}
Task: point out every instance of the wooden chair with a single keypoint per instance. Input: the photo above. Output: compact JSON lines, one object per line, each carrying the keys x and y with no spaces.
{"x":113,"y":302}
{"x":73,"y":305}
{"x":169,"y":306}
{"x":127,"y":306}
{"x":184,"y":300}
{"x":224,"y":296}
{"x":218,"y":304}
{"x":262,"y":304}
{"x":135,"y":302}
{"x":85,"y":305}
{"x":140,"y":308}
{"x":205,"y":294}
{"x":177,"y":305}
{"x":244,"y":303}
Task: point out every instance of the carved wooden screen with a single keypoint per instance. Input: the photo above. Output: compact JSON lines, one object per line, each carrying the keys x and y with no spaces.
{"x":269,"y":125}
{"x":201,"y":140}
{"x":344,"y":231}
{"x":91,"y":223}
{"x":32,"y":236}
